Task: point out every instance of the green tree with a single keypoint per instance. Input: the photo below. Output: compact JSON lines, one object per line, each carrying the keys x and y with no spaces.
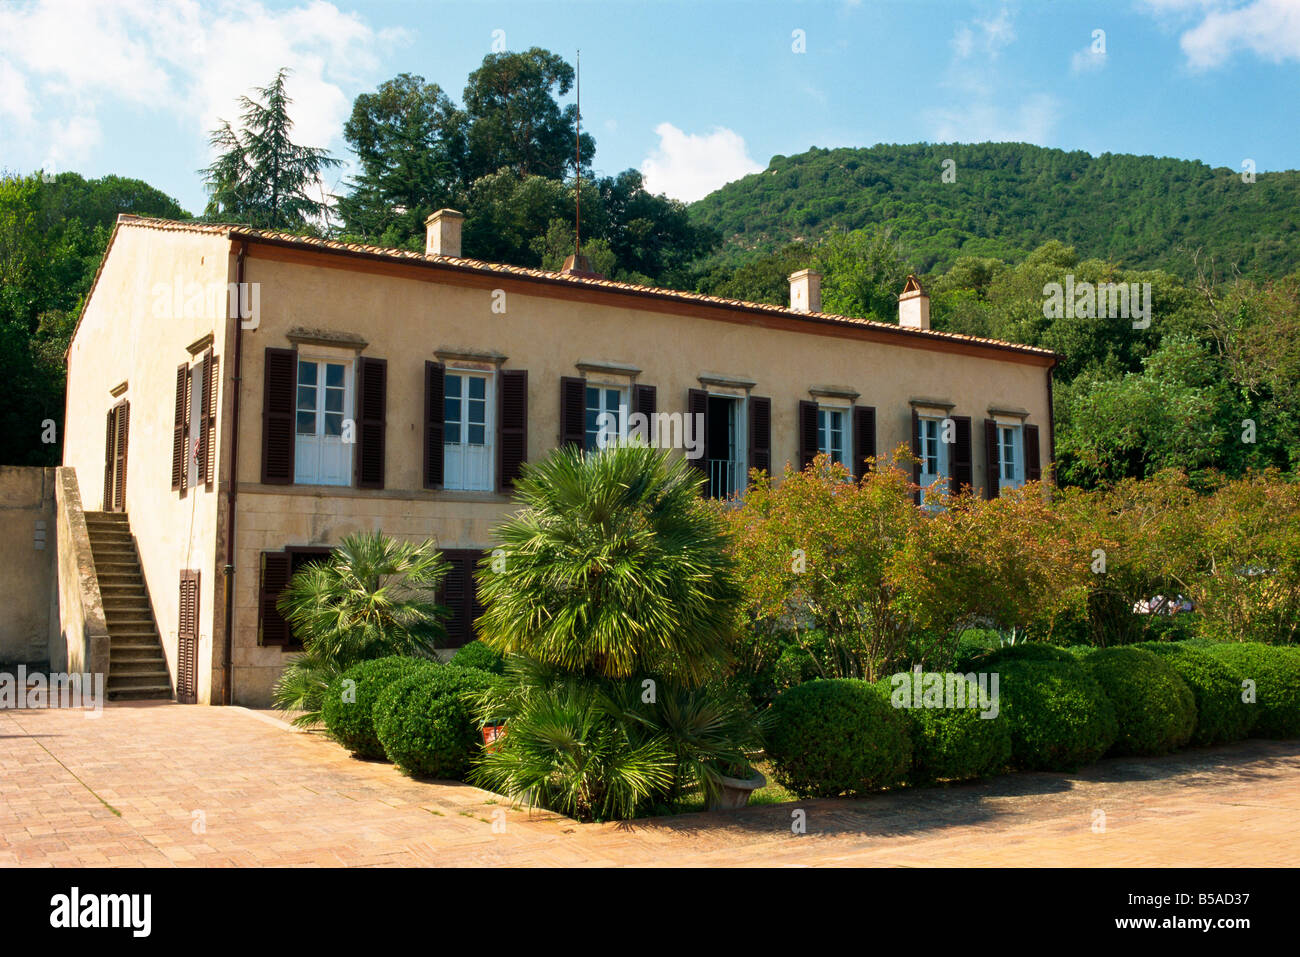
{"x":260,"y":176}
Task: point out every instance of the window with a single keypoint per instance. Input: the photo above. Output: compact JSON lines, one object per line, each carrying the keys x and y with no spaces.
{"x":1011,"y":470}
{"x":468,"y":429}
{"x":611,"y":403}
{"x":832,"y":434}
{"x":934,"y":453}
{"x":323,"y":439}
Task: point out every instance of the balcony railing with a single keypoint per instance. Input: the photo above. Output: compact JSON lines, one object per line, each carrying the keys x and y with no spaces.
{"x":725,"y":478}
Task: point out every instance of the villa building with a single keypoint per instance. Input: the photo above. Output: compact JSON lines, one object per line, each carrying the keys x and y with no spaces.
{"x":240,"y":400}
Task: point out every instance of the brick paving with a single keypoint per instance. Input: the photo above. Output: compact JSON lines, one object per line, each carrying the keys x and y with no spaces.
{"x":159,"y":784}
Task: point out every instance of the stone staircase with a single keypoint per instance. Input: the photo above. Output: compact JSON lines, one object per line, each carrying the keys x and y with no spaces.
{"x":137,"y":668}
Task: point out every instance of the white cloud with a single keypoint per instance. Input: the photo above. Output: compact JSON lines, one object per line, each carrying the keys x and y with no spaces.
{"x":73,"y":59}
{"x":1270,"y":29}
{"x":1032,"y":121}
{"x":985,"y":37}
{"x":688,"y":166}
{"x":15,"y":98}
{"x":1087,"y":60}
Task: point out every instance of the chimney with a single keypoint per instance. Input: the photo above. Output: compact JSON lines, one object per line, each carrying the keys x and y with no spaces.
{"x":913,"y":305}
{"x":806,"y":291}
{"x":442,"y":233}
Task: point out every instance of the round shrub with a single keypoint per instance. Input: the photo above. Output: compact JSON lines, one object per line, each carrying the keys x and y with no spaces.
{"x":837,"y":736}
{"x":795,"y":666}
{"x":1276,"y":673}
{"x":1221,"y":715}
{"x":426,"y":725}
{"x":1154,"y":706}
{"x":1025,"y":651}
{"x":475,"y":654}
{"x":953,"y":744}
{"x":1059,"y":718}
{"x":348,"y":709}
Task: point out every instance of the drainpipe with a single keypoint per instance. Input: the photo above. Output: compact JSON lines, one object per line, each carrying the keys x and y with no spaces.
{"x":232,"y":488}
{"x":1051,"y":422}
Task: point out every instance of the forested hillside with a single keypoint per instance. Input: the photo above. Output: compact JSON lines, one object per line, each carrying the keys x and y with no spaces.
{"x":1002,"y":200}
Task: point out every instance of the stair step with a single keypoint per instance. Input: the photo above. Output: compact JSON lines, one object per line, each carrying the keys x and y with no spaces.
{"x":141,"y":694}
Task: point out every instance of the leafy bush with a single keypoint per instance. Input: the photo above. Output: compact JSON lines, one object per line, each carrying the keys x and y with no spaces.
{"x":475,"y":654}
{"x":1059,"y":717}
{"x":1025,"y":651}
{"x":348,"y":710}
{"x":829,"y":737}
{"x":1221,"y":715}
{"x":1154,"y":706}
{"x":425,"y":724}
{"x":953,"y":744}
{"x":1276,"y":673}
{"x":572,"y":748}
{"x":974,"y":643}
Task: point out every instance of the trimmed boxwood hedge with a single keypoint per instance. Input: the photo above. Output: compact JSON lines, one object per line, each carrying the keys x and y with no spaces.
{"x":1154,"y":706}
{"x":837,"y":736}
{"x":953,"y":744}
{"x":1221,"y":715}
{"x":348,"y":710}
{"x":1276,"y":673}
{"x":426,"y":725}
{"x":1025,"y":651}
{"x":1059,"y":717}
{"x":475,"y":654}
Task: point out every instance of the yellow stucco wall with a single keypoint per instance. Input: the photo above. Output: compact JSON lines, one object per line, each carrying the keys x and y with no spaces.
{"x":132,"y":333}
{"x":406,"y":319}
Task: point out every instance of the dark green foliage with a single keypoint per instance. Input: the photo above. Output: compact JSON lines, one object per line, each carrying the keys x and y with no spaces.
{"x":952,"y":744}
{"x":475,"y":654}
{"x":1276,"y":673}
{"x":1154,"y":706}
{"x":1009,"y":198}
{"x":1060,"y":719}
{"x":348,"y":709}
{"x":1024,"y":651}
{"x":1221,"y":715}
{"x":425,"y":721}
{"x":837,"y":736}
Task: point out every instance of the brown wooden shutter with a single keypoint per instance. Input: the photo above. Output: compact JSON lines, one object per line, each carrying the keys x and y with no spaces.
{"x":272,"y":629}
{"x":187,"y":639}
{"x":962,"y":465}
{"x":512,"y":427}
{"x":212,"y":384}
{"x":280,"y":387}
{"x":459,"y":594}
{"x":203,"y":371}
{"x":573,"y":411}
{"x":916,"y":454}
{"x":760,"y":434}
{"x":435,"y":382}
{"x":697,"y":407}
{"x":1033,"y":459}
{"x":991,"y":452}
{"x":110,"y":440}
{"x":864,"y":439}
{"x":808,"y":447}
{"x":645,"y":400}
{"x":123,"y":445}
{"x":372,"y":404}
{"x":180,"y":439}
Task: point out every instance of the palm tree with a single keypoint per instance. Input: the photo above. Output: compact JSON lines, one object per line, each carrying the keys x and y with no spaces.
{"x":372,"y":597}
{"x":615,"y":567}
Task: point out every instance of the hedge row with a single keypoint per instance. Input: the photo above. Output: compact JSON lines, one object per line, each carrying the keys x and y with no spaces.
{"x":1055,"y":711}
{"x":412,"y":711}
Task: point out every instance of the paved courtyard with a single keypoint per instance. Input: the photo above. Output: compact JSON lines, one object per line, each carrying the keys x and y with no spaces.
{"x":160,"y":784}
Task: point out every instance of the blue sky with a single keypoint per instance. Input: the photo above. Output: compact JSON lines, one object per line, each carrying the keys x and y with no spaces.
{"x":694,"y":93}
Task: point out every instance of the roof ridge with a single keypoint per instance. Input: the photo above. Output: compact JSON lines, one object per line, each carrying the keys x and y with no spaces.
{"x":241,"y":231}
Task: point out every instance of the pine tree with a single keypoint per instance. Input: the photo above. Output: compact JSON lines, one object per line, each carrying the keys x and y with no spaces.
{"x":260,"y":176}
